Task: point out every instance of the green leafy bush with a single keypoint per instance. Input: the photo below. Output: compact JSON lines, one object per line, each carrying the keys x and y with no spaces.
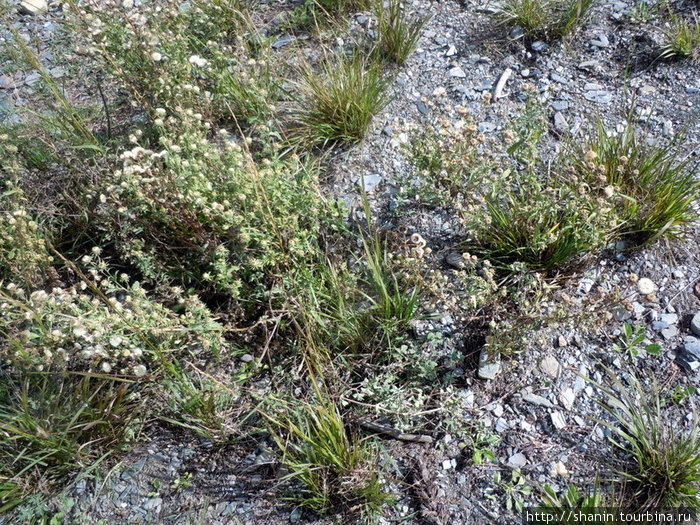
{"x":102,"y":326}
{"x":202,"y":214}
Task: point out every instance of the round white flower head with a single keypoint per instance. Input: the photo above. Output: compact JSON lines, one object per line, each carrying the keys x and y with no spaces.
{"x":198,"y":61}
{"x":157,"y":57}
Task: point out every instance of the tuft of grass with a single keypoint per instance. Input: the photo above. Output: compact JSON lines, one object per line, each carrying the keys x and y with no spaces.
{"x":656,"y":186}
{"x":573,"y":506}
{"x":333,"y":469}
{"x":543,"y":228}
{"x":682,"y":39}
{"x":666,"y":470}
{"x":545,"y":18}
{"x":338,"y":102}
{"x":54,"y":424}
{"x":397,"y":33}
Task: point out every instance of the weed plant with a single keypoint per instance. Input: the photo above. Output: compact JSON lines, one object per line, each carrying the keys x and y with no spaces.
{"x":682,"y":39}
{"x":516,"y":209}
{"x":337,"y":103}
{"x":666,"y":469}
{"x":333,"y":469}
{"x":204,"y":57}
{"x":656,"y":186}
{"x":55,"y":424}
{"x":545,"y":18}
{"x":397,"y":33}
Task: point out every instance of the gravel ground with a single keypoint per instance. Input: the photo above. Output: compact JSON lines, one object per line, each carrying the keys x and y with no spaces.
{"x":539,"y":405}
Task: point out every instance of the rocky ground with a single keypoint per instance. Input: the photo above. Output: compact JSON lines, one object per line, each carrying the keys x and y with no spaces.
{"x":539,"y":404}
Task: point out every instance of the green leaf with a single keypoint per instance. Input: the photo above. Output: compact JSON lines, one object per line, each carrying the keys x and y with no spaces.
{"x":654,"y":349}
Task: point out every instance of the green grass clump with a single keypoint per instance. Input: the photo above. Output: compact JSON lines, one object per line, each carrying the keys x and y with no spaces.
{"x":655,"y":184}
{"x":337,"y":473}
{"x":545,"y":18}
{"x":666,"y":469}
{"x":682,"y":39}
{"x":397,"y":33}
{"x":337,"y":103}
{"x":520,"y":213}
{"x":55,"y":424}
{"x":543,"y":226}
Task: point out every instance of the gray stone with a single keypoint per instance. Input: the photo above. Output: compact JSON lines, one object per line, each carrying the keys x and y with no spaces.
{"x":422,"y":108}
{"x":516,"y":32}
{"x":669,"y":318}
{"x":567,"y":398}
{"x":558,"y":78}
{"x":691,"y":350}
{"x":517,"y":460}
{"x":370,"y":182}
{"x":589,"y":65}
{"x":6,"y":82}
{"x":388,"y":130}
{"x":247,"y":358}
{"x":670,"y":332}
{"x":600,"y":96}
{"x":558,"y":420}
{"x":455,"y":260}
{"x":538,"y":46}
{"x":560,"y":123}
{"x":695,"y":324}
{"x":32,"y":78}
{"x":33,"y":7}
{"x":550,"y":366}
{"x":487,"y":127}
{"x":601,"y":41}
{"x":690,"y":365}
{"x":283,"y":41}
{"x":451,"y":51}
{"x":538,"y":400}
{"x":153,"y":504}
{"x":489,"y":366}
{"x":560,"y":105}
{"x":456,"y":72}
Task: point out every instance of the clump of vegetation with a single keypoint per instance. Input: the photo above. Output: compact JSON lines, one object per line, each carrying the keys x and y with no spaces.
{"x":545,"y":18}
{"x":337,"y":103}
{"x":516,"y":209}
{"x":655,"y":185}
{"x":220,"y":221}
{"x":666,"y":469}
{"x":313,"y":443}
{"x":682,"y":39}
{"x":397,"y":33}
{"x":55,"y":424}
{"x":205,"y":57}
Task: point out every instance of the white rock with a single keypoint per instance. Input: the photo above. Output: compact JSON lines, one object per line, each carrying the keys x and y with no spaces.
{"x":567,"y":398}
{"x":457,"y":72}
{"x":550,"y":366}
{"x":558,"y":420}
{"x":447,"y":464}
{"x":559,"y":469}
{"x":517,"y":460}
{"x":537,"y":400}
{"x":33,"y":7}
{"x":695,"y":324}
{"x":646,"y":286}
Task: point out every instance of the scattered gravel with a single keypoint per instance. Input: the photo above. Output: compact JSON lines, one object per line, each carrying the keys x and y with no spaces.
{"x":540,"y":403}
